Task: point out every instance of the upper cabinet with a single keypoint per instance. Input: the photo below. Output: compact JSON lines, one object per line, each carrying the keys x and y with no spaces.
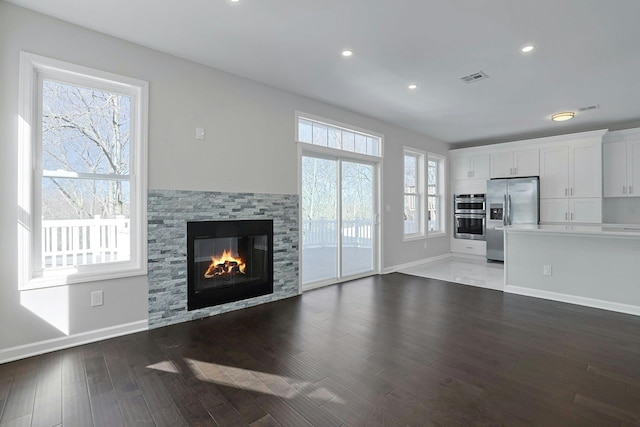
{"x":470,"y":167}
{"x":511,"y":164}
{"x":572,"y":170}
{"x":621,"y":169}
{"x":569,"y":167}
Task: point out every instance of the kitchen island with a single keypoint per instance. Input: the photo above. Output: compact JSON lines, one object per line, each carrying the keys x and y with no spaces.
{"x":591,"y":265}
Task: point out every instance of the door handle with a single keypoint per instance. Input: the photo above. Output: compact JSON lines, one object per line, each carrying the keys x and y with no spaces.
{"x":572,"y":191}
{"x":566,"y":191}
{"x":571,"y":216}
{"x":509,"y":217}
{"x":504,"y":210}
{"x":566,"y":216}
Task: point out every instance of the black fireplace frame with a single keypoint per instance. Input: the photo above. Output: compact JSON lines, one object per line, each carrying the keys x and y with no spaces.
{"x":236,"y":292}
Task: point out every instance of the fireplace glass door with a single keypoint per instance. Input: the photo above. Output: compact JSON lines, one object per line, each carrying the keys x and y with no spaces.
{"x":228,"y":261}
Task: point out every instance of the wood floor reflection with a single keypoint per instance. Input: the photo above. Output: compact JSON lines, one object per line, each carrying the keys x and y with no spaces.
{"x":385,"y":350}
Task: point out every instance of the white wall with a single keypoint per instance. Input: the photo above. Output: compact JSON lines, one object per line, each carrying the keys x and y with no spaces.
{"x":251,"y":122}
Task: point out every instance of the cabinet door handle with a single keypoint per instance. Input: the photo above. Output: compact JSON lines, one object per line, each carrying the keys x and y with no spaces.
{"x":515,"y":171}
{"x":571,"y":216}
{"x":566,"y":191}
{"x":630,"y":189}
{"x":566,"y":216}
{"x":624,"y":189}
{"x":572,"y":191}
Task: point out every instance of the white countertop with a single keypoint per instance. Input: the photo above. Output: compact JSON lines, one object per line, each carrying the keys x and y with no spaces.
{"x":584,"y":229}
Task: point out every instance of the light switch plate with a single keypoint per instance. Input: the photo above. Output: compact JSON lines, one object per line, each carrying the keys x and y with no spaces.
{"x":199,"y":133}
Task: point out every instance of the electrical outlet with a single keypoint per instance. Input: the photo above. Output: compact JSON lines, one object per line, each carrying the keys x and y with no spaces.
{"x":546,"y":270}
{"x":96,"y":298}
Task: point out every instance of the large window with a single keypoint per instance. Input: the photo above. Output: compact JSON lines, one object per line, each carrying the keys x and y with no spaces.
{"x":435,"y":194}
{"x":413,"y":193}
{"x":83,"y":139}
{"x":418,"y":208}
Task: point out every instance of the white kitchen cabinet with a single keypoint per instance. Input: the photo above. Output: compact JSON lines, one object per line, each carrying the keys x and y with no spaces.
{"x":585,"y":170}
{"x":577,"y":210}
{"x":621,"y":169}
{"x":571,"y":171}
{"x":469,"y":247}
{"x":554,"y":210}
{"x":510,"y":164}
{"x":554,"y":172}
{"x":470,"y":167}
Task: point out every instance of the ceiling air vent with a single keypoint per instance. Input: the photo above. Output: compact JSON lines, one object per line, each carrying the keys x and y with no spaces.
{"x":589,"y":107}
{"x":475,"y":77}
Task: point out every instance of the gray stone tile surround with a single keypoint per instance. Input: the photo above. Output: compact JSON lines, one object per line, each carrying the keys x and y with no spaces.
{"x":167,"y":214}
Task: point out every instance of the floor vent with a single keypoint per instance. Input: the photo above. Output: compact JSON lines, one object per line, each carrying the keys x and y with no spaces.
{"x":475,"y":77}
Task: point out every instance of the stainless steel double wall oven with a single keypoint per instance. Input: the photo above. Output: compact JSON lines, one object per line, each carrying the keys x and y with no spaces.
{"x":470,"y":216}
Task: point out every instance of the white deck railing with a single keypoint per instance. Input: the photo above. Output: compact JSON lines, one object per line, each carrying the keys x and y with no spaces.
{"x":322,"y":232}
{"x":67,"y":243}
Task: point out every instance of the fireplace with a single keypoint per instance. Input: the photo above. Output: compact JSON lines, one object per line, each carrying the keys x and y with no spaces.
{"x":228,"y":261}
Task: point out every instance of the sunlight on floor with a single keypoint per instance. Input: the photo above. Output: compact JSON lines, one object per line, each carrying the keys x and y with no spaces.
{"x":250,"y":380}
{"x":165,"y":366}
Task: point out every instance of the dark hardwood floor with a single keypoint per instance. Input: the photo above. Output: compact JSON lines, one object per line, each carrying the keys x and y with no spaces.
{"x":386,"y":350}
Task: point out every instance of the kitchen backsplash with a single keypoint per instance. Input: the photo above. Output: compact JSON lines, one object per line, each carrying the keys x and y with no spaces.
{"x":621,"y":210}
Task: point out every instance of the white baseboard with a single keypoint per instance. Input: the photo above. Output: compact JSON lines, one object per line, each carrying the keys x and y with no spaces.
{"x":573,"y":299}
{"x":395,"y":268}
{"x":46,"y":346}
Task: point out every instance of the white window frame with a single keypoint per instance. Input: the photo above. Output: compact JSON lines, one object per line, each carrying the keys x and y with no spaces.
{"x":420,"y":192}
{"x":342,"y":126}
{"x":440,"y":194}
{"x":32,"y":69}
{"x":309,"y":149}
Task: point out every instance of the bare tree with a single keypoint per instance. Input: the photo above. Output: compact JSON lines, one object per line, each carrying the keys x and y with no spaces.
{"x":86,"y":131}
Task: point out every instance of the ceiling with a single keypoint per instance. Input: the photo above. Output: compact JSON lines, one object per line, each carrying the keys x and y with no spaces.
{"x":587,"y":52}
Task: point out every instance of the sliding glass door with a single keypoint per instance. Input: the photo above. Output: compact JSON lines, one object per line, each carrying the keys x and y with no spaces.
{"x":358,"y":215}
{"x":319,"y":219}
{"x":338,"y":219}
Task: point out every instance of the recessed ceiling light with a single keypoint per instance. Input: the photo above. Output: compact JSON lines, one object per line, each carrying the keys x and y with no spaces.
{"x":413,"y":86}
{"x":347,"y":52}
{"x":561,"y":117}
{"x":234,"y":1}
{"x":528,"y":48}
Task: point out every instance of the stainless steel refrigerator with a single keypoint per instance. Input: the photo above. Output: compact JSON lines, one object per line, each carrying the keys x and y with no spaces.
{"x":509,"y":201}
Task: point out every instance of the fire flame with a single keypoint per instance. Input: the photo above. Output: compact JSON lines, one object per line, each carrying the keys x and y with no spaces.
{"x":227,"y":263}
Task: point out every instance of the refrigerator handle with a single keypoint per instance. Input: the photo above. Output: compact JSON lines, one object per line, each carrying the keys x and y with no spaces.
{"x":509,"y":218}
{"x":504,"y":210}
